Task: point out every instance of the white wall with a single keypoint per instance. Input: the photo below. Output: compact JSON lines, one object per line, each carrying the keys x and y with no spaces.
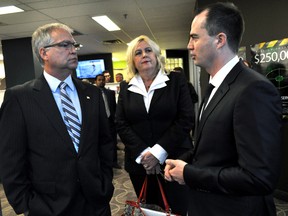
{"x":2,"y":75}
{"x":1,"y":96}
{"x":2,"y":71}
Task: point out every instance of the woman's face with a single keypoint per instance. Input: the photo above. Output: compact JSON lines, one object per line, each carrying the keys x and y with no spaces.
{"x":144,"y":57}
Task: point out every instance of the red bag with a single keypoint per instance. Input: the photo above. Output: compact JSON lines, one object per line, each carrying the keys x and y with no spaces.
{"x":140,"y":208}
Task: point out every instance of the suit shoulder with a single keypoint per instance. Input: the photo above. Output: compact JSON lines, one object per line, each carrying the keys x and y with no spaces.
{"x":176,"y":75}
{"x":109,"y":90}
{"x":112,"y":92}
{"x":22,"y":87}
{"x":86,"y":86}
{"x":249,"y":80}
{"x":176,"y":78}
{"x":124,"y":86}
{"x":254,"y":76}
{"x":18,"y":92}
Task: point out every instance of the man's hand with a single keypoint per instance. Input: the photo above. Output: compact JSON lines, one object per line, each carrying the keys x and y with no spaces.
{"x":174,"y":170}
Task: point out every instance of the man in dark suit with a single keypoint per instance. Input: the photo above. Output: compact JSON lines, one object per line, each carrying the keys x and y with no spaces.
{"x":110,"y":102}
{"x":236,"y":161}
{"x":50,"y":166}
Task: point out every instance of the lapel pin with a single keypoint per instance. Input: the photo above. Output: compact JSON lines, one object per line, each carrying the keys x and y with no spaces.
{"x":88,"y":97}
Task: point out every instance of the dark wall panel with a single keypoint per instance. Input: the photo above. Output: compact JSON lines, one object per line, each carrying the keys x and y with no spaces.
{"x":18,"y":61}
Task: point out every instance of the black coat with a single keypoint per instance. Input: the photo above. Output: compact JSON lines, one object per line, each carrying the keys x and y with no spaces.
{"x":40,"y":169}
{"x":236,"y":161}
{"x":168,"y":123}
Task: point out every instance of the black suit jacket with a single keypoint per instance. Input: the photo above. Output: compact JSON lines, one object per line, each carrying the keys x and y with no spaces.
{"x":111,"y":99}
{"x":40,"y":169}
{"x":168,"y":123}
{"x":236,"y":162}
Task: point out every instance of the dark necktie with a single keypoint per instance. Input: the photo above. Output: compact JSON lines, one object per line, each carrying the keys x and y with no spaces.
{"x":71,"y":118}
{"x":106,"y":103}
{"x":205,"y":99}
{"x":208,"y":91}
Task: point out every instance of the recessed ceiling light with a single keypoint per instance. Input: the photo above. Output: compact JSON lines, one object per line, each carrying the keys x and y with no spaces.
{"x":10,"y":9}
{"x":106,"y":23}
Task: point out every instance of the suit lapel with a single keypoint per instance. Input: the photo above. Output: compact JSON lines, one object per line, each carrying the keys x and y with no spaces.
{"x":136,"y":99}
{"x":44,"y":97}
{"x":216,"y":99}
{"x":219,"y":94}
{"x":108,"y":96}
{"x":156,"y":95}
{"x":159,"y":92}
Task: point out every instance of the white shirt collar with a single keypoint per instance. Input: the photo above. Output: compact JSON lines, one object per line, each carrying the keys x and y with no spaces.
{"x":222,"y":73}
{"x":54,"y":82}
{"x":220,"y":76}
{"x":137,"y":84}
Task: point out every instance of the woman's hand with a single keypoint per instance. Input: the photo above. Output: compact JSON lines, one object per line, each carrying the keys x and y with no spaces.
{"x":150,"y":163}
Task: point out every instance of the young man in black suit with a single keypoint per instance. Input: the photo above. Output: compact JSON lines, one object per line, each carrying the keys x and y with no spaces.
{"x":56,"y":149}
{"x":235,"y":165}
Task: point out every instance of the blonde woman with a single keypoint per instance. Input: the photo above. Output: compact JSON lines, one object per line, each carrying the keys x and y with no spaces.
{"x":154,"y":117}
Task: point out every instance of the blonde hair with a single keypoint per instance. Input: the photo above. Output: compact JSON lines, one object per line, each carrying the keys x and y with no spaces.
{"x":131,"y":70}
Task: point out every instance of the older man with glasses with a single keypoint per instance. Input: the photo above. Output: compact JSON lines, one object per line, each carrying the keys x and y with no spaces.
{"x":56,"y":150}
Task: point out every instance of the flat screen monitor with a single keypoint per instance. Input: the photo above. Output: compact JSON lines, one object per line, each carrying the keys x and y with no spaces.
{"x":89,"y":68}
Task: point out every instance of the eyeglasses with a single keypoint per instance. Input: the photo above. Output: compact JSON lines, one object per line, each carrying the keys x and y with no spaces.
{"x":66,"y":45}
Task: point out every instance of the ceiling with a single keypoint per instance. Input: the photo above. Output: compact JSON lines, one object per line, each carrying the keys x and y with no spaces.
{"x":167,"y":22}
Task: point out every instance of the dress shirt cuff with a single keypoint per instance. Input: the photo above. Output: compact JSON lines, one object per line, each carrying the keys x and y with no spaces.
{"x":159,"y":153}
{"x":139,"y":158}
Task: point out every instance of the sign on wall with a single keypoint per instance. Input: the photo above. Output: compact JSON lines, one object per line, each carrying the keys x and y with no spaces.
{"x":271,"y":59}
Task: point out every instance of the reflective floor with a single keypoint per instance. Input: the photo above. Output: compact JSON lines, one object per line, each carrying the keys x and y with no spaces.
{"x":123,"y":191}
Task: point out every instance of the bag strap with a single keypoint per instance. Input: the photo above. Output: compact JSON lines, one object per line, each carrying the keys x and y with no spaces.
{"x":167,"y":207}
{"x":142,"y":196}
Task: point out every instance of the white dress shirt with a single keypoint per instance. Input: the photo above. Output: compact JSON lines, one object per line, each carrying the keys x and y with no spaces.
{"x":217,"y":80}
{"x":71,"y":91}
